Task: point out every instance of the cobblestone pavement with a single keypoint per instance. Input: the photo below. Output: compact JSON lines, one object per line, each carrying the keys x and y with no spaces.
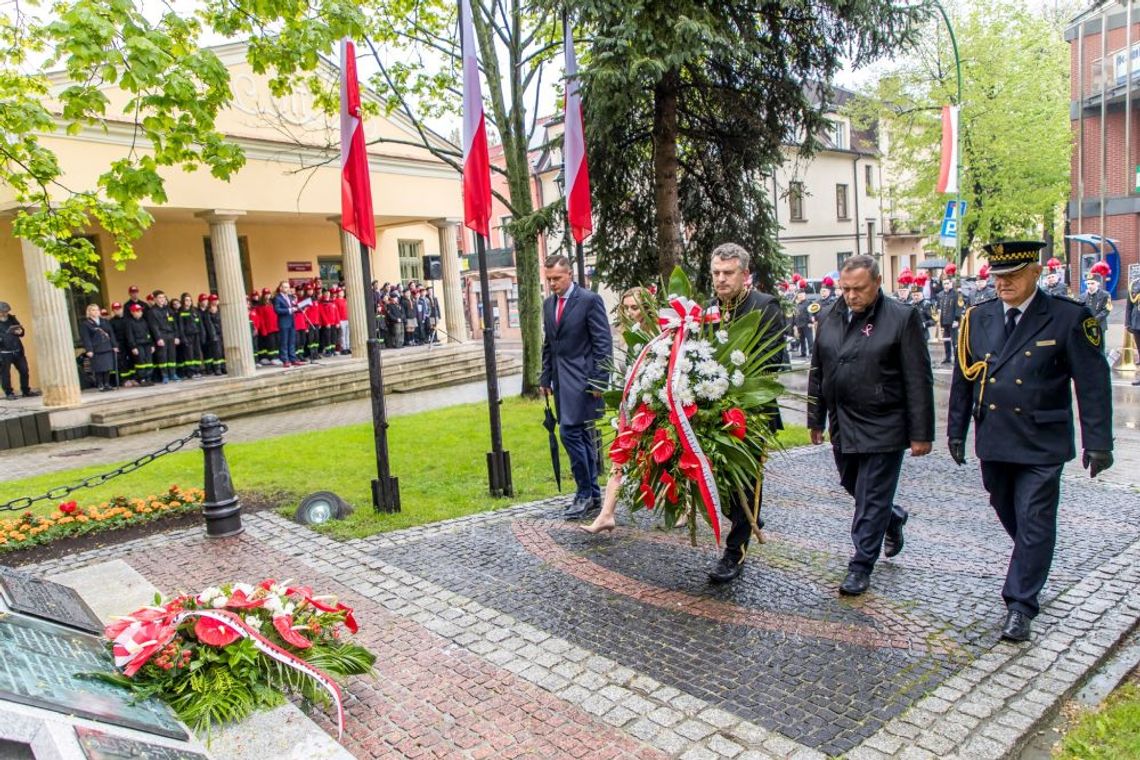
{"x":512,"y":634}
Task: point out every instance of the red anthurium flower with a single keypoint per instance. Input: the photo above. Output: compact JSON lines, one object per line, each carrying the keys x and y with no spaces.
{"x":138,"y":642}
{"x":349,"y":620}
{"x":690,"y":465}
{"x":626,"y":440}
{"x":642,"y":419}
{"x":284,"y":626}
{"x":689,"y":410}
{"x":663,"y":446}
{"x":215,"y":633}
{"x":68,"y":507}
{"x":647,"y":494}
{"x":670,"y":487}
{"x":735,"y":422}
{"x":239,"y":601}
{"x":618,"y":455}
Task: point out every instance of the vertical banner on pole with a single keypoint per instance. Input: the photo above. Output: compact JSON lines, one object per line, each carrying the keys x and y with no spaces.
{"x":477,"y":217}
{"x":356,"y":219}
{"x":579,"y":213}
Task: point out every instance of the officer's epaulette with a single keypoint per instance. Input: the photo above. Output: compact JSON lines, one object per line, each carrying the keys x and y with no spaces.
{"x":1068,"y":298}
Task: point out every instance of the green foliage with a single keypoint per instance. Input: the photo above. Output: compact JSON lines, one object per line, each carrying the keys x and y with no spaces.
{"x":1110,"y":733}
{"x":1016,"y":139}
{"x":726,"y":86}
{"x":120,"y":64}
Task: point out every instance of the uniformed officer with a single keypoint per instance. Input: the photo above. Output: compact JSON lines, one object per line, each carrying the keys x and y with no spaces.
{"x":1055,"y":284}
{"x":985,"y":288}
{"x":1099,"y":303}
{"x":950,"y":306}
{"x":1018,"y":357}
{"x":1132,"y":319}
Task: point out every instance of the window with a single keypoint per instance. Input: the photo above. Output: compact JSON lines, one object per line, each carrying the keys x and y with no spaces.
{"x":513,"y":306}
{"x":869,"y":177}
{"x":839,"y":135}
{"x":796,"y":201}
{"x":331,"y":270}
{"x":504,"y":235}
{"x":212,"y":270}
{"x":78,"y":297}
{"x":411,"y":260}
{"x":871,"y":238}
{"x":799,"y":265}
{"x":841,"y":202}
{"x":841,"y":257}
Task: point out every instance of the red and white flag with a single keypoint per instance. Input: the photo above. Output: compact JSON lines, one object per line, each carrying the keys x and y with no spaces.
{"x":578,"y":210}
{"x":948,"y":174}
{"x":476,"y":159}
{"x":355,"y":183}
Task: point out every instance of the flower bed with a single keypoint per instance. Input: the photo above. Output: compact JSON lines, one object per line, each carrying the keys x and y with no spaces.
{"x":72,"y":520}
{"x":218,"y":656}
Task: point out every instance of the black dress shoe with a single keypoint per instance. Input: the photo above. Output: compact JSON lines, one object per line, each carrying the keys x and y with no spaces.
{"x":855,"y":583}
{"x":893,"y":542}
{"x":727,"y":569}
{"x":577,"y":509}
{"x":1016,"y":626}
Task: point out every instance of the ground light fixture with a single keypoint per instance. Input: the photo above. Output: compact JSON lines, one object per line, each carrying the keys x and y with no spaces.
{"x":320,"y":507}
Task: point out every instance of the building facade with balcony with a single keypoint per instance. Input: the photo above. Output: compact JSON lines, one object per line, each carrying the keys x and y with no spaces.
{"x":1103,"y":215}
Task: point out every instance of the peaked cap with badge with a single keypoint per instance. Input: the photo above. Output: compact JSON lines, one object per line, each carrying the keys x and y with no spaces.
{"x":1011,"y":256}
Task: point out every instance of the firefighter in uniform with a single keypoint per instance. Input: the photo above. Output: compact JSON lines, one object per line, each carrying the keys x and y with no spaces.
{"x":164,"y":328}
{"x":140,"y":343}
{"x":1018,"y":358}
{"x":1099,"y":304}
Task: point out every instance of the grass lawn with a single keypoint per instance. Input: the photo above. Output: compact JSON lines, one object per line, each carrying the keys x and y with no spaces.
{"x":1110,"y":733}
{"x":439,"y":457}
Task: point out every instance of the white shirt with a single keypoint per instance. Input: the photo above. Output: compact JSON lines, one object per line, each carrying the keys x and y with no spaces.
{"x":1021,"y":307}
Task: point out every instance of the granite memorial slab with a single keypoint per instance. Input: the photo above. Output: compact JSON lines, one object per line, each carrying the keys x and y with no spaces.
{"x":31,"y":595}
{"x":40,"y":667}
{"x":97,"y":745}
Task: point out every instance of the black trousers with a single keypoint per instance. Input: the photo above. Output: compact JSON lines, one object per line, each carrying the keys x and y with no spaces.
{"x":20,"y":362}
{"x":949,"y":341}
{"x":871,"y":479}
{"x":1025,"y":498}
{"x":740,"y":533}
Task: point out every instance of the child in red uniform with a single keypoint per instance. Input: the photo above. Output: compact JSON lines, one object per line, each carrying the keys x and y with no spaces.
{"x":269,"y":329}
{"x":342,"y":316}
{"x":330,"y":324}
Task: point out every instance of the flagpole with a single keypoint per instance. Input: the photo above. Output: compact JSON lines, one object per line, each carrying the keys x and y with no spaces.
{"x":498,"y":460}
{"x":957,"y":134}
{"x":385,"y":488}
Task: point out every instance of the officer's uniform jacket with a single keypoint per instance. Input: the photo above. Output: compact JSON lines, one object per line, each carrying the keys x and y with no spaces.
{"x":949,"y":307}
{"x":1100,"y":305}
{"x":982,"y":295}
{"x":1060,"y":290}
{"x":138,"y":333}
{"x":1020,"y":393}
{"x":163,"y":324}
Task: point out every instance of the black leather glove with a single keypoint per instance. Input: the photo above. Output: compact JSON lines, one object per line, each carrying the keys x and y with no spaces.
{"x":957,"y":451}
{"x":1096,"y":462}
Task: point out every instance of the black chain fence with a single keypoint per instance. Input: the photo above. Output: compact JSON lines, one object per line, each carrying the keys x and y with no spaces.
{"x":60,"y":492}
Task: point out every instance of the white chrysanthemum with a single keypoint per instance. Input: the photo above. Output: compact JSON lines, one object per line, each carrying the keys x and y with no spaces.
{"x":738,"y":378}
{"x":710,"y":368}
{"x":693,"y":327}
{"x":704,"y":349}
{"x":208,"y":595}
{"x":722,"y":336}
{"x":685,"y":396}
{"x":245,"y":588}
{"x":718,"y":389}
{"x":218,"y":602}
{"x":253,"y":621}
{"x":738,"y":358}
{"x":662,"y":348}
{"x":685,"y":364}
{"x":663,"y":394}
{"x":273,"y":603}
{"x":653,"y":373}
{"x":646,"y":397}
{"x":638,"y":348}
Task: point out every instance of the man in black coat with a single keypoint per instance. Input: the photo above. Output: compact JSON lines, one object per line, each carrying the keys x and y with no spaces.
{"x":1018,"y":358}
{"x":871,"y":383}
{"x":735,"y":298}
{"x":577,"y":354}
{"x":12,"y":354}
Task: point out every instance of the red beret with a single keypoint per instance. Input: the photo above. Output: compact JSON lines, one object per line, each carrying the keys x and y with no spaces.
{"x":136,"y":307}
{"x":828,"y":282}
{"x":202,"y":297}
{"x":116,"y":305}
{"x":133,"y":289}
{"x":103,"y":312}
{"x":150,"y":296}
{"x":950,"y":270}
{"x":265,"y":291}
{"x":213,"y":297}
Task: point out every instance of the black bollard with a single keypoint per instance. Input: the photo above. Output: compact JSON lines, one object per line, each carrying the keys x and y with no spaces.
{"x":221,"y":508}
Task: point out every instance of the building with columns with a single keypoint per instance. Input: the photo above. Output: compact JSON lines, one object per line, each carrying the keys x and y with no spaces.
{"x":276,"y":219}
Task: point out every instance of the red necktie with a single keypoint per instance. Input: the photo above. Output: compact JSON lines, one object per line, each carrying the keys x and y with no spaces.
{"x":558,"y":313}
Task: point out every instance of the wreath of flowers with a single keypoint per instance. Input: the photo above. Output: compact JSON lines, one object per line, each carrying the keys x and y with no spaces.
{"x":218,"y":656}
{"x":692,"y":415}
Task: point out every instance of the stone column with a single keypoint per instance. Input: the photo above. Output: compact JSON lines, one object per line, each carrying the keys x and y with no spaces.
{"x":49,"y":329}
{"x":354,"y":285}
{"x":231,"y":291}
{"x":452,"y":301}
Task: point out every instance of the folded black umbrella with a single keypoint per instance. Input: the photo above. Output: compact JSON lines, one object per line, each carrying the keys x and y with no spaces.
{"x":550,"y":423}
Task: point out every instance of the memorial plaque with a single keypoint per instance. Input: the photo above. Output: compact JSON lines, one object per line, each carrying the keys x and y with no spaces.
{"x":39,"y":666}
{"x":51,"y":601}
{"x":101,"y":746}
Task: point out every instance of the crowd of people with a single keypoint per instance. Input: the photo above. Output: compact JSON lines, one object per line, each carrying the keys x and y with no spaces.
{"x":406,"y":315}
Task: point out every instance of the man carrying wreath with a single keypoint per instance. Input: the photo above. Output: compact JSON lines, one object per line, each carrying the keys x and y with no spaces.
{"x":735,"y":298}
{"x":870,"y":382}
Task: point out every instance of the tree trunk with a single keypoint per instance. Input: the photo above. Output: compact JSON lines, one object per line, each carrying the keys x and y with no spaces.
{"x":665,"y":195}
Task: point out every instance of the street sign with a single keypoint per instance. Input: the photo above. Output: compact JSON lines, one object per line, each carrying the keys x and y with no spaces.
{"x":948,"y":234}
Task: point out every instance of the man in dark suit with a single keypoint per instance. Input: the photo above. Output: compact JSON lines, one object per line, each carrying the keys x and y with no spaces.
{"x":871,"y":385}
{"x":734,"y":298}
{"x":1018,"y":357}
{"x":577,"y":351}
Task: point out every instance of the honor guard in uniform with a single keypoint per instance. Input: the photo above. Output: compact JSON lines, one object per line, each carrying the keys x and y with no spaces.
{"x":1054,"y":283}
{"x":802,"y":320}
{"x":985,"y":289}
{"x":140,"y":343}
{"x":1132,"y":321}
{"x":1099,"y":303}
{"x":950,"y":308}
{"x":1018,"y":358}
